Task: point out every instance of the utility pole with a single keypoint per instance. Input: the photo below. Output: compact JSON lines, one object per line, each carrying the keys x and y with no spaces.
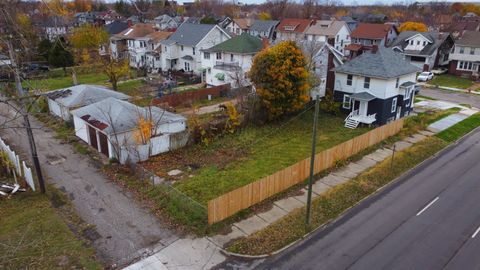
{"x":312,"y":162}
{"x":24,"y":113}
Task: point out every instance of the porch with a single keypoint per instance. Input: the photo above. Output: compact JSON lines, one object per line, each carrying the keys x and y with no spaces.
{"x":359,"y":114}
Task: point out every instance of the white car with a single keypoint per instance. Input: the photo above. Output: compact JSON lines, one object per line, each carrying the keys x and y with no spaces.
{"x":425,"y":76}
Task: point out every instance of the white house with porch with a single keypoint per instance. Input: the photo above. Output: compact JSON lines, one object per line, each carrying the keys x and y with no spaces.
{"x":376,"y":87}
{"x":182,"y":50}
{"x":119,"y":129}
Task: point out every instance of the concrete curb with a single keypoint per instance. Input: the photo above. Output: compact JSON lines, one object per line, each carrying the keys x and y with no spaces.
{"x":451,"y":89}
{"x":326,"y":224}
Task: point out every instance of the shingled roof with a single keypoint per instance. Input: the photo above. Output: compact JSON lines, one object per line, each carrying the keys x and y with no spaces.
{"x":371,"y":30}
{"x":384,"y":63}
{"x":189,"y":34}
{"x":294,"y":25}
{"x":435,"y":38}
{"x":263,"y":25}
{"x":136,"y":31}
{"x":326,"y":28}
{"x":244,"y":44}
{"x":469,"y":38}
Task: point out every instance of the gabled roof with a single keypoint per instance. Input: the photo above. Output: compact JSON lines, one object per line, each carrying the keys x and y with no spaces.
{"x":190,"y":34}
{"x":136,"y":31}
{"x":83,"y":94}
{"x":243,"y":23}
{"x":384,"y":63}
{"x":112,"y":115}
{"x":158,"y":36}
{"x":243,"y":44}
{"x":372,"y":30}
{"x":326,"y":28}
{"x":469,"y":38}
{"x":313,"y":48}
{"x":116,"y":27}
{"x":294,"y":25}
{"x":263,"y":26}
{"x":436,"y":39}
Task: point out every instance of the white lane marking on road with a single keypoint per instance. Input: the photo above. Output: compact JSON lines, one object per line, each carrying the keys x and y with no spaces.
{"x":428,"y":205}
{"x":476,"y":232}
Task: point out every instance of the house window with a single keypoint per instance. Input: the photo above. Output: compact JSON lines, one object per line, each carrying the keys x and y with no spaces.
{"x":231,"y":57}
{"x":394,"y":105}
{"x":347,"y":102}
{"x":349,"y":79}
{"x":193,"y":50}
{"x":206,"y":55}
{"x":472,"y":51}
{"x":165,"y":48}
{"x":366,"y":83}
{"x":424,"y":43}
{"x":187,"y":66}
{"x":411,"y":42}
{"x":397,"y":82}
{"x":464,"y":65}
{"x":219,"y":56}
{"x":338,"y":37}
{"x":181,"y":48}
{"x":462,"y":50}
{"x":418,"y":42}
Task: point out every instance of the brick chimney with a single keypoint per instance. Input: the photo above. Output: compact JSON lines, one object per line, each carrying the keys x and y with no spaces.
{"x":374,"y":49}
{"x":129,"y":22}
{"x":265,"y":43}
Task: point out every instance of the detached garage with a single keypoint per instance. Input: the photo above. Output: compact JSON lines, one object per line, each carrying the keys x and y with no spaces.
{"x":62,"y":101}
{"x":130,"y":133}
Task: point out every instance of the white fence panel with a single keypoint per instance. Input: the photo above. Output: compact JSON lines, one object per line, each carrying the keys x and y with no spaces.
{"x":20,"y":167}
{"x":28,"y":176}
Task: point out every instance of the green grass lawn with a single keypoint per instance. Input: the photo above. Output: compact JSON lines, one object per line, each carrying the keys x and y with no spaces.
{"x":451,"y":81}
{"x":34,"y":236}
{"x":260,"y":151}
{"x":62,"y":82}
{"x":460,"y":129}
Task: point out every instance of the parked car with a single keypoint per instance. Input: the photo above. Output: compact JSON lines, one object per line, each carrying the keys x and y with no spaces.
{"x":425,"y":76}
{"x":439,"y":71}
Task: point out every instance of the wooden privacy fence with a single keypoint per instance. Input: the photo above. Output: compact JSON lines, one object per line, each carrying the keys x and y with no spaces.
{"x":232,"y":202}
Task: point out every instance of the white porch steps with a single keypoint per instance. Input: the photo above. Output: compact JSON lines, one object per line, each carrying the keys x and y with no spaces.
{"x":351,"y":123}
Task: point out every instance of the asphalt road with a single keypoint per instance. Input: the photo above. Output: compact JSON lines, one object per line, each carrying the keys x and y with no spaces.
{"x":457,"y":97}
{"x":426,"y":220}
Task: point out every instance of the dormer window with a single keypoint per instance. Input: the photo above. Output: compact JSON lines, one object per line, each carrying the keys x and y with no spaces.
{"x":289,"y":27}
{"x":411,"y":42}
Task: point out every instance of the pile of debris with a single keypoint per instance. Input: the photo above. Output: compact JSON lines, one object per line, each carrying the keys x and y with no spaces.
{"x":10,"y":189}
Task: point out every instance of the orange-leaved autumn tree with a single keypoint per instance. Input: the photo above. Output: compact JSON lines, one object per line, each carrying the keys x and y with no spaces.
{"x":413,"y":26}
{"x":86,"y":40}
{"x":280,"y":77}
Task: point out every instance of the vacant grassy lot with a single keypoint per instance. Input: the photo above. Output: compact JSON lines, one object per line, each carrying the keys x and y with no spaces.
{"x":66,"y":81}
{"x":451,"y":81}
{"x":34,"y":236}
{"x":234,"y":160}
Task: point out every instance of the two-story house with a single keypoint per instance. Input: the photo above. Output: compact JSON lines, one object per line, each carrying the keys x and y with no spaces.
{"x":239,"y":26}
{"x":263,"y":29}
{"x":55,"y":27}
{"x":375,"y":87}
{"x":368,"y":34}
{"x":323,"y":31}
{"x":154,"y":50}
{"x":293,"y":29}
{"x":230,"y":61}
{"x":182,"y":50}
{"x":322,"y":58}
{"x":131,"y":43}
{"x":426,"y":50}
{"x":465,"y":55}
{"x":166,"y":23}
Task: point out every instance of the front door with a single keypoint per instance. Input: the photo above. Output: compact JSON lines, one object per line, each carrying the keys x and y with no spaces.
{"x":399,"y":112}
{"x":363,"y":108}
{"x":103,"y":143}
{"x":92,"y":133}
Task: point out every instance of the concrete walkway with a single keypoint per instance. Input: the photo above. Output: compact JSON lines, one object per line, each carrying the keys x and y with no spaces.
{"x":206,"y":251}
{"x":471,"y":90}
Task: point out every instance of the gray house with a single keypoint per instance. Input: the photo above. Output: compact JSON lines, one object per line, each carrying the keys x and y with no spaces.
{"x":426,"y":50}
{"x":263,"y":28}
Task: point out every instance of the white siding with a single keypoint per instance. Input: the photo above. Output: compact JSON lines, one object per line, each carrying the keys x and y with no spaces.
{"x":380,"y":88}
{"x":80,"y":129}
